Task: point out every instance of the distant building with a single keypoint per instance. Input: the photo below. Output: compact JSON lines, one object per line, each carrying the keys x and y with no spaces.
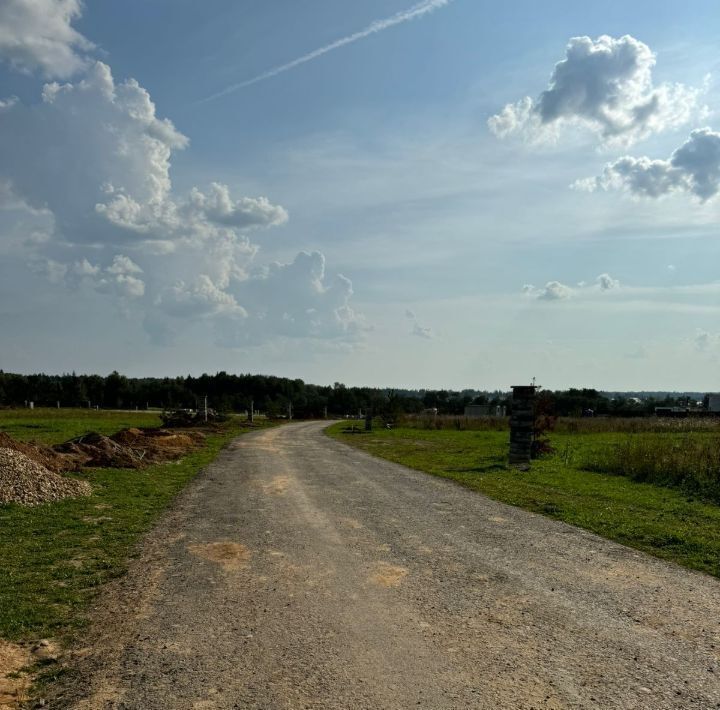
{"x":713,"y":403}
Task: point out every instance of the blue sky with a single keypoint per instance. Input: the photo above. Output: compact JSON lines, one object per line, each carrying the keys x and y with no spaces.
{"x":362,"y":216}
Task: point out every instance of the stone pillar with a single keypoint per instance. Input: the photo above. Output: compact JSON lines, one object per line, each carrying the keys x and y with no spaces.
{"x":522,"y":418}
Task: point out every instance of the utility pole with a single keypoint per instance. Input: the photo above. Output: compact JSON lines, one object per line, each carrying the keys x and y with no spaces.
{"x":251,"y":411}
{"x":290,"y":411}
{"x":206,"y":416}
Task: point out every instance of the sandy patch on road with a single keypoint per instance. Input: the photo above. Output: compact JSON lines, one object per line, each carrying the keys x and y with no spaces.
{"x":387,"y":575}
{"x":14,"y":684}
{"x":277,"y":486}
{"x":231,"y":555}
{"x":351,"y":523}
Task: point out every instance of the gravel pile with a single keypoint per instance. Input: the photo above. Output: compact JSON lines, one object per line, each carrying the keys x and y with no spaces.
{"x":24,"y":481}
{"x":44,"y":455}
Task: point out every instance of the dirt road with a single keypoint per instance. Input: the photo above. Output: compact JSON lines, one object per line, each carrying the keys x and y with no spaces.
{"x":299,"y":573}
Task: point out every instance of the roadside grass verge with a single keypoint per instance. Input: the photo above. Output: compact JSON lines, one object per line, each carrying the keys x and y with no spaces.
{"x":664,"y":522}
{"x":566,"y":425}
{"x":56,"y":556}
{"x":689,"y":462}
{"x":53,"y":426}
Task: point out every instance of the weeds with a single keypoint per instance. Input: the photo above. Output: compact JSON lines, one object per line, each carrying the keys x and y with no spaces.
{"x":689,"y":462}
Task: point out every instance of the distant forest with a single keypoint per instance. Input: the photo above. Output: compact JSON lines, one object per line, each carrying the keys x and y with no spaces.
{"x":272,"y":395}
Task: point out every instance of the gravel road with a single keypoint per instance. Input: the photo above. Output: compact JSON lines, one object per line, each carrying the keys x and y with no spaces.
{"x":297,"y":572}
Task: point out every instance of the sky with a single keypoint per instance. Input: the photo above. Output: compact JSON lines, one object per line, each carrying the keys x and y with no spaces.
{"x":439,"y":193}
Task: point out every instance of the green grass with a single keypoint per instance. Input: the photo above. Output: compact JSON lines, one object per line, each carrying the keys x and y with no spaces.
{"x":55,"y":557}
{"x":53,"y":426}
{"x":665,"y":522}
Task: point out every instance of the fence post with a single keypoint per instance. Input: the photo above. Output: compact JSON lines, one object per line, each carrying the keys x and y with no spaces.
{"x":368,"y":420}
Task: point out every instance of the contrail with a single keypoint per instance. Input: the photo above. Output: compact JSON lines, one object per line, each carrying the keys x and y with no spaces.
{"x":418,"y":10}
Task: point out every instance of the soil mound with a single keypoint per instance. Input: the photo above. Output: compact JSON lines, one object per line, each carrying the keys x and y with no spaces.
{"x":43,"y":455}
{"x":129,"y":448}
{"x":27,"y":482}
{"x":156,"y":445}
{"x":98,"y":451}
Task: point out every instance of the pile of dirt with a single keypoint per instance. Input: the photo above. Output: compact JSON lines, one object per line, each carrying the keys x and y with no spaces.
{"x":159,"y":444}
{"x":27,"y":482}
{"x":129,"y":448}
{"x":43,"y":455}
{"x":98,"y":451}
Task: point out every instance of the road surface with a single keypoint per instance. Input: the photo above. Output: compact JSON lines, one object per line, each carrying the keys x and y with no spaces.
{"x":297,"y":572}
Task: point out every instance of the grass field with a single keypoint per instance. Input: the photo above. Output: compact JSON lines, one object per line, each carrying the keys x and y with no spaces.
{"x":666,"y":522}
{"x":53,"y":426}
{"x":56,"y":556}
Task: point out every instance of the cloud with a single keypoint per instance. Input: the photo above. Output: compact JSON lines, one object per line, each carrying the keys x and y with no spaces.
{"x":418,"y":330}
{"x":706,"y":342}
{"x":36,"y":35}
{"x":121,"y":278}
{"x":416,"y":11}
{"x":220,"y":208}
{"x":422,"y":332}
{"x":553,"y":291}
{"x":293,"y":300}
{"x":91,"y":161}
{"x":693,"y":168}
{"x":604,"y":85}
{"x":607,"y":282}
{"x":557,"y":291}
{"x":200,"y":298}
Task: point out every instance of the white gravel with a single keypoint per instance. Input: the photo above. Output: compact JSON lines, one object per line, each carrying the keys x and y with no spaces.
{"x":26,"y":482}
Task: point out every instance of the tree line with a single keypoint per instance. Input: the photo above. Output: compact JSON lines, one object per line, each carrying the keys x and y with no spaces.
{"x":224,"y":392}
{"x":272,"y":395}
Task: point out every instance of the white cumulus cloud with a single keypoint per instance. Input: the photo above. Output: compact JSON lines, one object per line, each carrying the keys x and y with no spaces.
{"x":605,"y":85}
{"x":557,"y":291}
{"x":115,"y":225}
{"x":693,"y":168}
{"x":295,"y":299}
{"x":607,"y":282}
{"x":552,"y":291}
{"x":37,"y":35}
{"x":201,"y":297}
